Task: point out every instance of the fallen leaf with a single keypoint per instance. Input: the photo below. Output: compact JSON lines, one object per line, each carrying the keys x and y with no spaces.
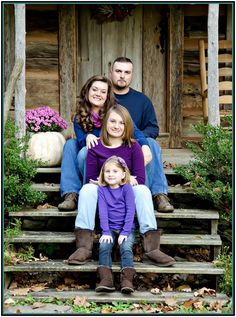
{"x":9,"y":301}
{"x":13,"y":285}
{"x":38,"y":287}
{"x":156,"y":291}
{"x":45,"y":206}
{"x":20,"y":291}
{"x":37,"y":305}
{"x":105,"y":310}
{"x":18,"y":311}
{"x":188,"y":303}
{"x":184,"y":288}
{"x":171,"y":301}
{"x":81,"y":301}
{"x":168,"y":288}
{"x":205,"y":291}
{"x":198,"y":305}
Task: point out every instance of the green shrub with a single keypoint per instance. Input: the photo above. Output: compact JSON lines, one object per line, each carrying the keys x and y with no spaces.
{"x":18,"y":172}
{"x":224,"y":260}
{"x":210,"y":171}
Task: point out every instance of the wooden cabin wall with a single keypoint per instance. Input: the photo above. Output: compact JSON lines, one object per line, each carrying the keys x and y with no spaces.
{"x":9,"y":42}
{"x":195,"y":28}
{"x":42,"y":77}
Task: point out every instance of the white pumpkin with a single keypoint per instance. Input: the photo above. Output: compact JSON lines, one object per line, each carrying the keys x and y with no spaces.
{"x":47,"y":147}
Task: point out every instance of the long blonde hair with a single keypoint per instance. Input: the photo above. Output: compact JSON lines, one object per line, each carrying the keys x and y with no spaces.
{"x":128,"y":135}
{"x":118,"y":162}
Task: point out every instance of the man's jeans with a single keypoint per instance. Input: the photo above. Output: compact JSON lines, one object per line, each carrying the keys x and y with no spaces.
{"x":126,"y":251}
{"x":87,"y":207}
{"x":73,"y":169}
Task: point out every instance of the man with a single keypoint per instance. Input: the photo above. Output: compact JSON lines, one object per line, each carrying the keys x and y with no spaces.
{"x":143,"y":114}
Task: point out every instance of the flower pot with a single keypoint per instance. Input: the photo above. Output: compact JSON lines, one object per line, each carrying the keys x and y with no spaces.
{"x":46,"y":147}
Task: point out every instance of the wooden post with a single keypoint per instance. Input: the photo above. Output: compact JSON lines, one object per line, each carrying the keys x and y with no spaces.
{"x":175,"y":75}
{"x":67,"y":63}
{"x":11,"y":87}
{"x":20,"y":54}
{"x":213,"y":73}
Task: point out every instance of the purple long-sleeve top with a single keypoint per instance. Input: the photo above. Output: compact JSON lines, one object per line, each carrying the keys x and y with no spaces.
{"x":133,"y":157}
{"x":116,"y":209}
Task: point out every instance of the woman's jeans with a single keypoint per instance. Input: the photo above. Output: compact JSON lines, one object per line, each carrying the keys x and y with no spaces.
{"x":126,"y":251}
{"x":73,"y":168}
{"x":87,"y":207}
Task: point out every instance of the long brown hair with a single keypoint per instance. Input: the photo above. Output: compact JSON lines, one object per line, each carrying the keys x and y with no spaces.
{"x":128,"y":135}
{"x":84,"y":107}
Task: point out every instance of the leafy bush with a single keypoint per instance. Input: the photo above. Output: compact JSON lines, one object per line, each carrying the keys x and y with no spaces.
{"x":224,"y":260}
{"x":210,"y":171}
{"x":18,"y":173}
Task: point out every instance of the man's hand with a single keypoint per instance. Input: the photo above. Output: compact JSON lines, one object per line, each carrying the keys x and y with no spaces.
{"x":91,"y":141}
{"x":147,"y":154}
{"x":121,"y":239}
{"x":105,"y":239}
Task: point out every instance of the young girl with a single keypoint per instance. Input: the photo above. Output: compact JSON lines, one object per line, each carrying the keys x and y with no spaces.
{"x":117,"y":139}
{"x":116,"y":212}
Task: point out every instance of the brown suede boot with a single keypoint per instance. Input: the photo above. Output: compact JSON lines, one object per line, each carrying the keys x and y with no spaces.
{"x":162,"y":204}
{"x":106,"y":280}
{"x":151,"y":245}
{"x":70,"y":202}
{"x":84,"y":245}
{"x":126,"y":280}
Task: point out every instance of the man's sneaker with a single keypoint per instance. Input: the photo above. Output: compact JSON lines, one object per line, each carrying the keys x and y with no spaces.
{"x":161,"y":203}
{"x":69,"y":203}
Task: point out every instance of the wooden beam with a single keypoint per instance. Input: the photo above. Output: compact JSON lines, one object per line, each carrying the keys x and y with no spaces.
{"x":175,"y":75}
{"x":20,"y":55}
{"x":67,"y":62}
{"x":213,"y":73}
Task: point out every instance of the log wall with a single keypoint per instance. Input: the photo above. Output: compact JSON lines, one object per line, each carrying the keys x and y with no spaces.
{"x":42,"y":79}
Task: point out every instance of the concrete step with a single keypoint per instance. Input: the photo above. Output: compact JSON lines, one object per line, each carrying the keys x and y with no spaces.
{"x":52,"y":187}
{"x":176,"y":214}
{"x":68,"y":237}
{"x":136,"y":297}
{"x":147,"y":267}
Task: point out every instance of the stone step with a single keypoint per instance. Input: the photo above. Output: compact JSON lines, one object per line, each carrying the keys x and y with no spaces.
{"x":136,"y":297}
{"x":147,"y":267}
{"x":176,"y":214}
{"x":68,"y":237}
{"x":52,"y":187}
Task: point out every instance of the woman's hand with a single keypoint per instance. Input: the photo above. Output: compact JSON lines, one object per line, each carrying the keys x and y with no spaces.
{"x":91,"y":141}
{"x":105,"y":239}
{"x":92,"y":181}
{"x":133,"y":180}
{"x":121,"y":239}
{"x":147,"y":154}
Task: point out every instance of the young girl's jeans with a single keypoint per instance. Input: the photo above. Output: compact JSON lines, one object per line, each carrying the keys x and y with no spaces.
{"x":126,"y":251}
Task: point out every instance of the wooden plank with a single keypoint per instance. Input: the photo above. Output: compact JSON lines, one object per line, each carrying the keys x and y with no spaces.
{"x":124,"y":39}
{"x":175,"y":75}
{"x":154,"y":61}
{"x":89,"y":46}
{"x":226,"y":99}
{"x":176,"y":214}
{"x":68,"y":237}
{"x":225,"y":85}
{"x":67,"y":62}
{"x":52,"y":187}
{"x":136,"y":297}
{"x":222,"y":58}
{"x":146,"y":267}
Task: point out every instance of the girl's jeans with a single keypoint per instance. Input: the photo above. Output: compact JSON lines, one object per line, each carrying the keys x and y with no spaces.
{"x":73,"y":169}
{"x":87,"y":207}
{"x":126,"y":251}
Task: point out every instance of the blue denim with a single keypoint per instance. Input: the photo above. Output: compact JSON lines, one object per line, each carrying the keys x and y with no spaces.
{"x":73,"y":168}
{"x":126,"y":251}
{"x":155,"y":176}
{"x":87,"y":207}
